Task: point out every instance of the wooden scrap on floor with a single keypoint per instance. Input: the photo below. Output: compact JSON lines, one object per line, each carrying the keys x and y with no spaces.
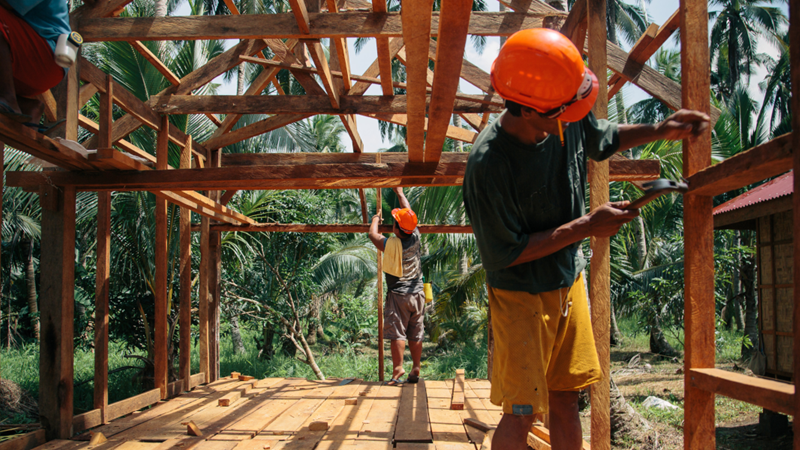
{"x":192,"y":429}
{"x":245,"y":377}
{"x":457,"y":402}
{"x":475,"y":423}
{"x":235,"y":375}
{"x":351,"y":401}
{"x":487,"y":440}
{"x":96,"y":438}
{"x":318,"y":426}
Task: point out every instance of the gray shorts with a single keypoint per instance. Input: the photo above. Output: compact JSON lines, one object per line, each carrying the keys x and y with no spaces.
{"x":403,"y":316}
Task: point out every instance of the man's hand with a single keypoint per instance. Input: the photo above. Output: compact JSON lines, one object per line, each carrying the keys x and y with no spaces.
{"x":377,"y":217}
{"x":683,"y":124}
{"x":606,"y":220}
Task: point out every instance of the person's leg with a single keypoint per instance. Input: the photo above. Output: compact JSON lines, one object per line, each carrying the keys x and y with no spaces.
{"x":512,"y":432}
{"x":565,"y":423}
{"x":7,"y":93}
{"x":32,"y":107}
{"x":398,"y":348}
{"x":416,"y":355}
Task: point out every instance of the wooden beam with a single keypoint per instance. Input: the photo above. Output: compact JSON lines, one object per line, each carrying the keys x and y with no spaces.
{"x":395,"y":45}
{"x":160,"y":339}
{"x":300,"y":15}
{"x":284,"y":26}
{"x":600,"y":273}
{"x":311,"y":104}
{"x":336,"y":228}
{"x":636,"y":55}
{"x":416,"y":15}
{"x":759,"y":163}
{"x":454,"y":18}
{"x":50,"y":106}
{"x":340,"y":59}
{"x":185,"y":274}
{"x":153,"y":59}
{"x":575,"y":25}
{"x":132,"y":404}
{"x":452,"y":132}
{"x":318,"y":55}
{"x":252,"y":130}
{"x":103,"y":275}
{"x":56,"y":309}
{"x":384,"y":58}
{"x":794,"y":55}
{"x":105,"y":115}
{"x":699,"y":424}
{"x":93,"y":127}
{"x":769,"y":394}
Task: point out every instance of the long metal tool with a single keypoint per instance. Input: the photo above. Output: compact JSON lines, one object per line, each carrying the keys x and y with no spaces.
{"x":657,"y":188}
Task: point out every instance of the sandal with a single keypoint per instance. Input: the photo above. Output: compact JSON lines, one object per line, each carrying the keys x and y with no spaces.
{"x":8,"y":111}
{"x":394,"y":382}
{"x":413,"y":379}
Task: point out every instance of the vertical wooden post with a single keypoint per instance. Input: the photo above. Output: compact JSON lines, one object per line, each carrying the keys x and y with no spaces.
{"x":202,"y":297}
{"x":379,"y":209}
{"x":699,"y":428}
{"x":161,"y":312}
{"x":56,"y":306}
{"x":600,"y":290}
{"x":185,"y":362}
{"x":103,"y":263}
{"x":214,"y":279}
{"x":794,"y":36}
{"x":2,"y":187}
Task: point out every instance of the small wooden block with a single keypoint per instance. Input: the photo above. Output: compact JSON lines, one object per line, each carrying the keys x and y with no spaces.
{"x":457,"y":406}
{"x":235,"y":374}
{"x":318,"y":426}
{"x":351,"y":401}
{"x":97,"y":438}
{"x":193,"y":430}
{"x":477,"y":424}
{"x":363,"y":393}
{"x":245,"y":378}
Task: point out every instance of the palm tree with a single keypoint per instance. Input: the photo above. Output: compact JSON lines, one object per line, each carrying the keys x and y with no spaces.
{"x":735,"y":33}
{"x":777,"y":86}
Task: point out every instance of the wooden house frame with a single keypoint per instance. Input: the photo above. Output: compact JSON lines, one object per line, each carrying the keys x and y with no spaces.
{"x":406,"y":36}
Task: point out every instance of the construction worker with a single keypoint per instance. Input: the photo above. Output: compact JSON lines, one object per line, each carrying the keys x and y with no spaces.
{"x":403,"y":311}
{"x":29,"y":32}
{"x":524,"y":195}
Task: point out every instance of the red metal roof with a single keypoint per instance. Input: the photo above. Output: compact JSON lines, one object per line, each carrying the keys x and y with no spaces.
{"x":779,"y":187}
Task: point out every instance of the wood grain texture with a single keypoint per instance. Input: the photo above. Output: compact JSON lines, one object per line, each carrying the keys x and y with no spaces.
{"x":384,"y":53}
{"x":102,"y":284}
{"x":457,"y":399}
{"x":395,"y":45}
{"x":600,"y":272}
{"x":157,"y":63}
{"x":56,"y":308}
{"x":794,"y":36}
{"x":636,"y":54}
{"x":769,"y":394}
{"x":699,"y":423}
{"x":416,"y":15}
{"x":132,"y":404}
{"x":283,"y":26}
{"x":413,"y":422}
{"x":451,"y":132}
{"x":25,"y":441}
{"x":300,"y":15}
{"x":337,"y":228}
{"x":160,"y":336}
{"x":202,"y":298}
{"x":764,"y":161}
{"x":454,"y":20}
{"x":379,"y":210}
{"x":105,"y":115}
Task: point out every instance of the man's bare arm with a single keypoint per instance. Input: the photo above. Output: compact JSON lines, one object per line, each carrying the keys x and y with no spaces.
{"x":374,"y":236}
{"x":602,"y":222}
{"x":402,"y":198}
{"x":680,"y":125}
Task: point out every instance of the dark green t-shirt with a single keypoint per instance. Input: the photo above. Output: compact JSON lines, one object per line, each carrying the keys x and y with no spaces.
{"x":512,"y":190}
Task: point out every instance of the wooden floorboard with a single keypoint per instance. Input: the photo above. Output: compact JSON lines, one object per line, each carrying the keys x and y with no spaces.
{"x":278,"y":413}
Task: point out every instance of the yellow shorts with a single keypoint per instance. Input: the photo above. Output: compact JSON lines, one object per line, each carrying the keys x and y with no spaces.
{"x":537,"y":349}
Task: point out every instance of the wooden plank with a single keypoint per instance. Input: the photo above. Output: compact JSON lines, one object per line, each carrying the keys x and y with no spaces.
{"x":336,"y":228}
{"x":457,"y":400}
{"x":794,"y":36}
{"x":416,"y":15}
{"x":25,"y":441}
{"x":344,"y":430}
{"x":699,"y":423}
{"x":18,"y":136}
{"x":477,"y":420}
{"x":446,"y":424}
{"x":770,"y":394}
{"x":284,"y":26}
{"x":636,"y":55}
{"x":103,"y":275}
{"x":543,"y":434}
{"x":153,"y":59}
{"x":385,"y":56}
{"x":175,"y":388}
{"x":56,"y":308}
{"x":454,"y":20}
{"x":252,"y":130}
{"x":575,"y":26}
{"x":132,"y":404}
{"x":272,"y":406}
{"x":380,"y":422}
{"x":197,"y":379}
{"x":311,"y":104}
{"x":600,"y":273}
{"x":92,"y":127}
{"x":413,"y":423}
{"x":300,"y":412}
{"x":300,"y":14}
{"x":766,"y":160}
{"x":185,"y":274}
{"x":161,"y":327}
{"x":89,"y":419}
{"x":321,"y":63}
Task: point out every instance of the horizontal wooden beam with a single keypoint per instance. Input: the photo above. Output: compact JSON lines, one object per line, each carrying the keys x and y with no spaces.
{"x":252,"y":130}
{"x":132,"y":404}
{"x":89,"y":419}
{"x":767,"y":160}
{"x":305,"y":104}
{"x":25,"y":441}
{"x":18,"y":136}
{"x":769,"y":394}
{"x":337,"y":228}
{"x":284,"y":26}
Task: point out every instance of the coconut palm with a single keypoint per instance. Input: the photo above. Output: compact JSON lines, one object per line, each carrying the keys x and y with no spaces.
{"x":777,"y":86}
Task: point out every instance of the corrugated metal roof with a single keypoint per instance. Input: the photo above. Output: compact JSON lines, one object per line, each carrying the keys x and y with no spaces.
{"x":779,"y":187}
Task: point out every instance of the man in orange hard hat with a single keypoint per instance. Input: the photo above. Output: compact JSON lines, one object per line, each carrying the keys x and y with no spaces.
{"x":524,"y":195}
{"x":403,"y":312}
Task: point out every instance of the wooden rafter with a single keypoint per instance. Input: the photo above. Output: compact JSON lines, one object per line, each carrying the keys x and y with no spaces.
{"x":323,"y":25}
{"x":384,"y":58}
{"x":416,"y":15}
{"x":454,"y":17}
{"x":452,"y":132}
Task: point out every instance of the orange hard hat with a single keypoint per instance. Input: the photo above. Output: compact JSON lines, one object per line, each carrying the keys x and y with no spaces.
{"x":542,"y":69}
{"x":406,"y":219}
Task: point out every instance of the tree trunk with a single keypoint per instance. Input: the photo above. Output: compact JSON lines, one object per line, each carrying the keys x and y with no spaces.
{"x":616,"y":335}
{"x":240,"y":80}
{"x":30,"y":279}
{"x":314,"y":320}
{"x":658,"y":343}
{"x":236,"y":334}
{"x":750,"y":301}
{"x":161,"y":8}
{"x":265,"y":349}
{"x":640,"y":237}
{"x":626,"y":423}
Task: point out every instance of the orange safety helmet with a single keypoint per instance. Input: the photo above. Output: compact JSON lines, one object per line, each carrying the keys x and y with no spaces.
{"x":542,"y":69}
{"x":406,"y":219}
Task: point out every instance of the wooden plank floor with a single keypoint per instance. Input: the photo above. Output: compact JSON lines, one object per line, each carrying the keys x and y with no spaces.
{"x":278,"y":413}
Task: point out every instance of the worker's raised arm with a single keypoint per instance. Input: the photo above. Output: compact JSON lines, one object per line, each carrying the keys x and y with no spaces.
{"x":374,"y":236}
{"x":401,"y":197}
{"x":680,"y":125}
